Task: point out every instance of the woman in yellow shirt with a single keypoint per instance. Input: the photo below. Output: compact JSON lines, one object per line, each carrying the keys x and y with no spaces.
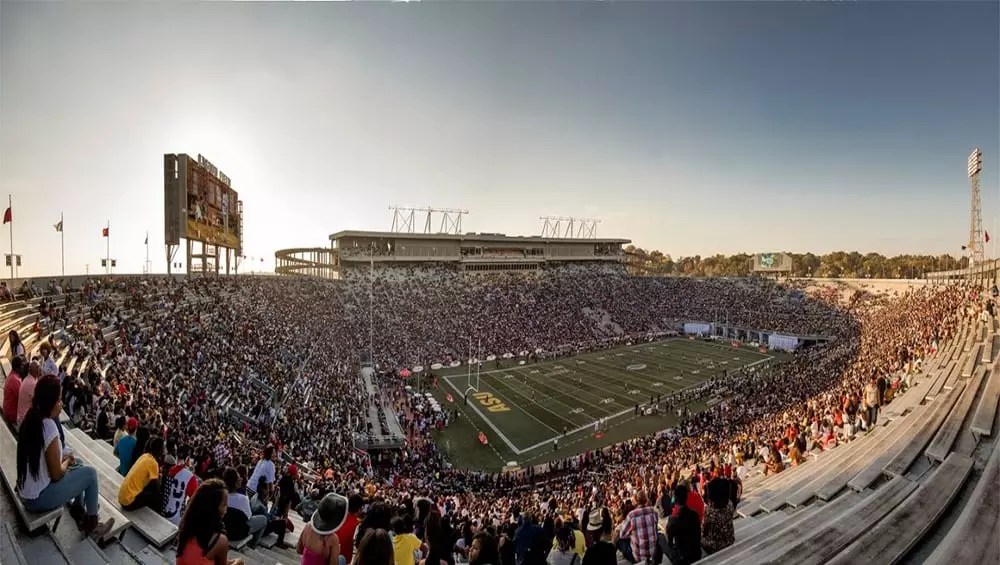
{"x":141,"y":486}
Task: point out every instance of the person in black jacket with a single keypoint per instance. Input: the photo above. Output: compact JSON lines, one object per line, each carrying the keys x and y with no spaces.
{"x":682,"y":544}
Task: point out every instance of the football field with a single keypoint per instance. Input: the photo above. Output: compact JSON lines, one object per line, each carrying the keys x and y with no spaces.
{"x":525,"y":409}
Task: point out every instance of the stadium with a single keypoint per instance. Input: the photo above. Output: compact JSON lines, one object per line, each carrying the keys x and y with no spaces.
{"x":300,"y":378}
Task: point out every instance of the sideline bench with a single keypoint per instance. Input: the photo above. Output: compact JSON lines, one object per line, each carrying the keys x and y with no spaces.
{"x":895,"y":535}
{"x":33,"y":521}
{"x":975,"y":535}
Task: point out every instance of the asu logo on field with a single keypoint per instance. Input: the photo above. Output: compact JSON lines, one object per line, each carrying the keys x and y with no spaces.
{"x":492,"y":403}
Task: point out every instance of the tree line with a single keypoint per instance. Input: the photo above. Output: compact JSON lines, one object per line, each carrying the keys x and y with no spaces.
{"x":839,"y":264}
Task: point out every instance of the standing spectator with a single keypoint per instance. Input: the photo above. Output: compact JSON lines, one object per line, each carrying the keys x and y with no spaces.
{"x":717,"y":529}
{"x":682,"y":544}
{"x":871,"y":403}
{"x":201,"y":539}
{"x":263,"y":470}
{"x":639,"y":530}
{"x":141,"y":486}
{"x":47,"y":477}
{"x":355,"y":504}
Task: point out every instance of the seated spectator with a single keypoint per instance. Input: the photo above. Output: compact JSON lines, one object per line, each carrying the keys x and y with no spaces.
{"x":27,"y":391}
{"x":49,"y":366}
{"x":180,"y":485}
{"x":141,"y":486}
{"x":11,"y":390}
{"x":275,"y":525}
{"x":319,"y":544}
{"x":120,"y":432}
{"x":125,"y":447}
{"x":483,"y":550}
{"x":376,"y":549}
{"x":16,"y":345}
{"x":682,"y":543}
{"x":47,"y":476}
{"x":564,"y":553}
{"x":406,"y":547}
{"x":239,"y":519}
{"x":201,"y":538}
{"x":602,"y":551}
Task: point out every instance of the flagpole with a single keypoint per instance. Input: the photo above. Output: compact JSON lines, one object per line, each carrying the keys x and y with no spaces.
{"x":107,"y":256}
{"x":10,"y":206}
{"x":62,"y":243}
{"x":147,"y":254}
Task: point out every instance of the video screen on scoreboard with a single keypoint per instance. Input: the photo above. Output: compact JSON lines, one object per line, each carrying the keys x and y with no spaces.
{"x":772,"y":262}
{"x":212,"y":206}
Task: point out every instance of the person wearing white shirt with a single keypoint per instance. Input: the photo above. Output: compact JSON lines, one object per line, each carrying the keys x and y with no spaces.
{"x":48,"y":476}
{"x":264,"y":469}
{"x":49,"y":366}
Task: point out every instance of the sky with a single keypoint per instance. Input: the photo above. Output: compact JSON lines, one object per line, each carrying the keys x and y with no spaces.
{"x":693,"y":128}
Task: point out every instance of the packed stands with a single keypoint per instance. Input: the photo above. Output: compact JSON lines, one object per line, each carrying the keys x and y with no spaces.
{"x":889,"y":424}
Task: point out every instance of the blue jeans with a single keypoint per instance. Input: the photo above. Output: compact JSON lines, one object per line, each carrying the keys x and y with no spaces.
{"x":76,"y":484}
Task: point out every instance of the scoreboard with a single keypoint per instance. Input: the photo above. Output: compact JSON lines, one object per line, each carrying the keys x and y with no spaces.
{"x":199,"y":203}
{"x":772,"y":263}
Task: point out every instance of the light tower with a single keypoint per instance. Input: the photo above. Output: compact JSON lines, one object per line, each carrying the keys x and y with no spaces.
{"x":976,"y":225}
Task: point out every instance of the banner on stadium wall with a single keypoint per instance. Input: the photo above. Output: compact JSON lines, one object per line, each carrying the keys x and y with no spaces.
{"x":699,"y":328}
{"x":783,"y":342}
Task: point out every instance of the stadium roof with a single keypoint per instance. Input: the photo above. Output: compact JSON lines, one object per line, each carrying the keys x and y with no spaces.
{"x":475,"y":237}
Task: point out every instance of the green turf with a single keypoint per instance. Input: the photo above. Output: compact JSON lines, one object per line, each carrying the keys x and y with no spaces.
{"x":536,"y":402}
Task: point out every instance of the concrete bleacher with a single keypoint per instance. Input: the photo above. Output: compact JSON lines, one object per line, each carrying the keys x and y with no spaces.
{"x":894,"y":536}
{"x":947,"y":433}
{"x":975,"y":536}
{"x":986,"y":412}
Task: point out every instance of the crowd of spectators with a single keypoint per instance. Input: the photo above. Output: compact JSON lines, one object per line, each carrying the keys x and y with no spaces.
{"x":227,"y":373}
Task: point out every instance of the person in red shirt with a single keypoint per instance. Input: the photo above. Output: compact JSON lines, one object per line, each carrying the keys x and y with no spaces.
{"x":346,"y":532}
{"x":11,"y":390}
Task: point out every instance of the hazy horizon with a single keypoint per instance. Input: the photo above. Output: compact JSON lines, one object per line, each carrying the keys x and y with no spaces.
{"x":690,"y":128}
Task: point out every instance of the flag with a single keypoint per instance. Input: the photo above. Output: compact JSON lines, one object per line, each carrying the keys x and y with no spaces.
{"x":986,"y":234}
{"x":147,"y":240}
{"x":104,"y":232}
{"x":7,"y":217}
{"x":59,"y":226}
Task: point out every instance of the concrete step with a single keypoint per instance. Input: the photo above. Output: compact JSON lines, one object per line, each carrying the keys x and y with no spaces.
{"x":10,"y":552}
